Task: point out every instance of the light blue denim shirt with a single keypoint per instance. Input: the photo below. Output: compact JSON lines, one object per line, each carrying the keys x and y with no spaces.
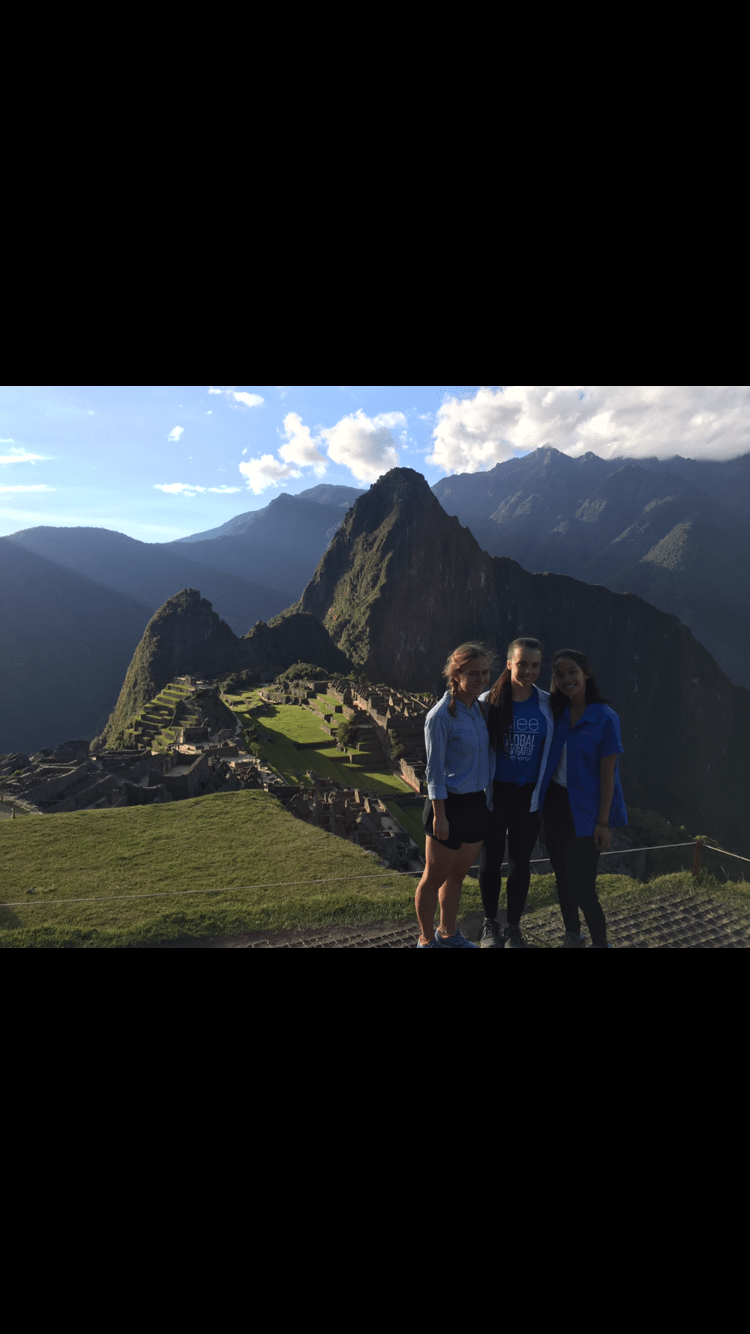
{"x":459,"y":758}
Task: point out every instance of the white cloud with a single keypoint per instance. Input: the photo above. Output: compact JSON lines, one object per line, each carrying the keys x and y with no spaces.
{"x":612,"y":421}
{"x":187,"y":489}
{"x":18,"y":455}
{"x":27,"y":488}
{"x":265,"y":471}
{"x":250,"y":400}
{"x":301,"y":448}
{"x":175,"y":433}
{"x":178,"y":488}
{"x":365,"y":445}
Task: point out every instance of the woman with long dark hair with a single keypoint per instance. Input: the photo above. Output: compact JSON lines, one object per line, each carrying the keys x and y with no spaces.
{"x":520,"y":725}
{"x":458,"y":783}
{"x":582,"y":792}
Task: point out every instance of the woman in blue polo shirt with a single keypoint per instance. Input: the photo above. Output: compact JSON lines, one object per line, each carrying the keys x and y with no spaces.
{"x":583,"y":792}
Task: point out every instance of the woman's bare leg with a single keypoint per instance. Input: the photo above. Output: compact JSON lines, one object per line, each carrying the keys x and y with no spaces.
{"x":449,"y":895}
{"x":441,"y":882}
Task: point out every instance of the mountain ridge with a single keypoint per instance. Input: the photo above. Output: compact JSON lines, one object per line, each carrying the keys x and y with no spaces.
{"x":616,"y":523}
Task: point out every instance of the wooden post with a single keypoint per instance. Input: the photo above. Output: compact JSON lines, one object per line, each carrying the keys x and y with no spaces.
{"x":697,"y":857}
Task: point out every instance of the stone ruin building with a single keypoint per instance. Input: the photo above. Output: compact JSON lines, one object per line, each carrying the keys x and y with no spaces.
{"x":359,"y":816}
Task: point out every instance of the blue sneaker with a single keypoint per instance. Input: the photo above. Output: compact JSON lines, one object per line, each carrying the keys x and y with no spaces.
{"x":431,"y":945}
{"x":454,"y":942}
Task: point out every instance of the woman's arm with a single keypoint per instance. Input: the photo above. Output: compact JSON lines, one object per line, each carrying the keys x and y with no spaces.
{"x":436,"y":739}
{"x":439,"y":823}
{"x":606,"y":791}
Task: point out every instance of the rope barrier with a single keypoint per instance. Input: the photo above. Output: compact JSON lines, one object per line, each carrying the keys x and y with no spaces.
{"x":227,"y":889}
{"x":724,"y":853}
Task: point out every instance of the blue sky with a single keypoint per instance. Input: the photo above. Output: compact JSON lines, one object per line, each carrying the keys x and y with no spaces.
{"x":158,"y":463}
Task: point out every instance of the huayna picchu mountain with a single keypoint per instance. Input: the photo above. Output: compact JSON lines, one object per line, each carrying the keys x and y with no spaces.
{"x":402,"y":583}
{"x":186,"y":637}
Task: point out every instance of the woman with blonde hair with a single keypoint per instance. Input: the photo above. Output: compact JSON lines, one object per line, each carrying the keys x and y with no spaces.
{"x":459,"y":789}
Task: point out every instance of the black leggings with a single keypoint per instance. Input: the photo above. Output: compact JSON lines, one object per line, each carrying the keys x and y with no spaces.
{"x":510,"y":816}
{"x":574,"y":862}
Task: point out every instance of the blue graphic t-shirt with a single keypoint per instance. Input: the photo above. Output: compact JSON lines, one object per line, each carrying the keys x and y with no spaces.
{"x":521,"y":761}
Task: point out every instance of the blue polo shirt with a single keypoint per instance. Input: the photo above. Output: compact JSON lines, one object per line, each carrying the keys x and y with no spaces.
{"x":595,"y":736}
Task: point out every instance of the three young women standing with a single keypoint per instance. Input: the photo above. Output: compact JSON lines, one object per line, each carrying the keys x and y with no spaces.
{"x":489,"y":779}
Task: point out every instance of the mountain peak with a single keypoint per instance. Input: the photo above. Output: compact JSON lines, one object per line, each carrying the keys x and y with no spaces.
{"x":394,"y":567}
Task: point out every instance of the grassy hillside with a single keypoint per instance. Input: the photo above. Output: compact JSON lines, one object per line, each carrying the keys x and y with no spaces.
{"x":115,"y":877}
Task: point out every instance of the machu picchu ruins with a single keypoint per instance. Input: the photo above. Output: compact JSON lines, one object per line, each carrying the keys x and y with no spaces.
{"x":187,"y":742}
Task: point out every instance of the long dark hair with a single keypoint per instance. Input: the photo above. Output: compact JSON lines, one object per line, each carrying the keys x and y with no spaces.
{"x":593,"y":694}
{"x":500,"y":712}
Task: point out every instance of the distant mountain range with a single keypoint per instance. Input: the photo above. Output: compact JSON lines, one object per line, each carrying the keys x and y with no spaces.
{"x":74,"y":602}
{"x":673,"y":531}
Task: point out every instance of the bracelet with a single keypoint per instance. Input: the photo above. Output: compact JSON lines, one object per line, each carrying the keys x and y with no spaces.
{"x":602,"y":824}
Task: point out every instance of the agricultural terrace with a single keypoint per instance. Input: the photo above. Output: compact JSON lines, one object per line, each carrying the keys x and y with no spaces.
{"x":151,"y":725}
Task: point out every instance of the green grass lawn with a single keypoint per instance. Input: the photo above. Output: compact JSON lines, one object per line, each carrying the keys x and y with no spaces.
{"x":283,"y":724}
{"x":83,"y":865}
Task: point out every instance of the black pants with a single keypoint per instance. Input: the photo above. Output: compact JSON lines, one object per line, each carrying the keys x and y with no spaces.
{"x":574,"y":862}
{"x":509,"y":818}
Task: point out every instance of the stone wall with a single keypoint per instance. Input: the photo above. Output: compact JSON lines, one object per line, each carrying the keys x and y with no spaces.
{"x":182,"y":786}
{"x":87,"y":795}
{"x":50,"y":786}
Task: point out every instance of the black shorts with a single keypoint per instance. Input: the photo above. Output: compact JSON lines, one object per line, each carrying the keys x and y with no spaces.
{"x":466,"y":816}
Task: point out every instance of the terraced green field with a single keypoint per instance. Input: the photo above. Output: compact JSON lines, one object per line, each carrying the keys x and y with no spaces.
{"x":284,"y":727}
